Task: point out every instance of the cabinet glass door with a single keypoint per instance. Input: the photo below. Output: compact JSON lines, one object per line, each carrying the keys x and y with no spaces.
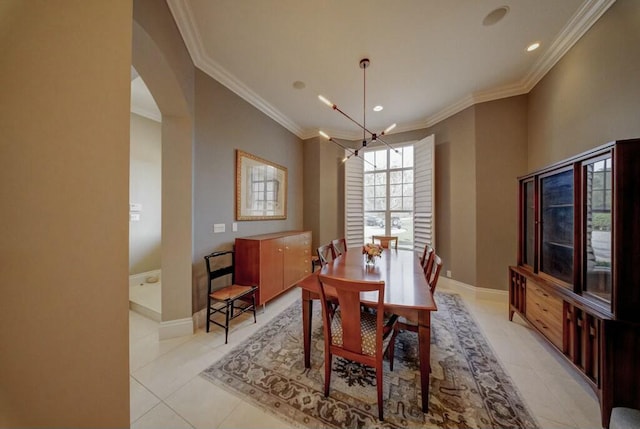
{"x":597,"y":221}
{"x":556,"y":226}
{"x":528,"y":224}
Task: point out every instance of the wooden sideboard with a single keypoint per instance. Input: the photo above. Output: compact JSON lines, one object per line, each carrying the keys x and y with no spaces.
{"x":578,"y":275}
{"x":274,"y":262}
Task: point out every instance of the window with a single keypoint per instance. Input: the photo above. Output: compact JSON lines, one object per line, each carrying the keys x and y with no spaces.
{"x":396,"y":197}
{"x":600,"y":188}
{"x":264,"y":187}
{"x":388,"y":194}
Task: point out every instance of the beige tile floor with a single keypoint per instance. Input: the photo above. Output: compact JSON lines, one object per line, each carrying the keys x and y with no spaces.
{"x":166,"y":391}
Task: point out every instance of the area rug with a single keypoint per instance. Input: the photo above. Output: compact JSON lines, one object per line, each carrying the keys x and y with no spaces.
{"x":469,"y":388}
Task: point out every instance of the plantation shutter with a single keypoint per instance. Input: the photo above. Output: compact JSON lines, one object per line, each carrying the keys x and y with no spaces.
{"x":354,"y":202}
{"x":424,"y":195}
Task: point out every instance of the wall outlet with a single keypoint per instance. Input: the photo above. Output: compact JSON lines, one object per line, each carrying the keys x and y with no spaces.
{"x":218,"y":227}
{"x":234,"y":227}
{"x":134,"y":217}
{"x":449,"y":273}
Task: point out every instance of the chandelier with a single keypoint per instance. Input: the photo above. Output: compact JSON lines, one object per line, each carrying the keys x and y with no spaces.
{"x":367,"y":135}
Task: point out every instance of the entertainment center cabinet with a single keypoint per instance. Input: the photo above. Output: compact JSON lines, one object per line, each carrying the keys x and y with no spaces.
{"x":274,"y":262}
{"x":578,"y":275}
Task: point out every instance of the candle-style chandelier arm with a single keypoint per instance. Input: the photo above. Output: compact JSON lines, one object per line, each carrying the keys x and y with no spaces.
{"x":335,"y":107}
{"x":352,"y":152}
{"x":364,"y":64}
{"x":377,"y":138}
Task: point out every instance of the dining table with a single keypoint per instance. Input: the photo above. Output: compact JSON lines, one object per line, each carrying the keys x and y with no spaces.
{"x":406,"y":294}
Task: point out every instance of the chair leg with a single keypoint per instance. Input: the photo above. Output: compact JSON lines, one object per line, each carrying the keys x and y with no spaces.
{"x":327,"y":374}
{"x":379,"y":386}
{"x":226,"y":320}
{"x":253,"y":303}
{"x":391,"y":350}
{"x":208,"y":311}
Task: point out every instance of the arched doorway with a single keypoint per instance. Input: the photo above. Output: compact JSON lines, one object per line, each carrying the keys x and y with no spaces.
{"x":176,"y":254}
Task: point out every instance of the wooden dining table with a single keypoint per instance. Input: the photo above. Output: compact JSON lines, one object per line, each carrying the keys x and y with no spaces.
{"x":406,"y":294}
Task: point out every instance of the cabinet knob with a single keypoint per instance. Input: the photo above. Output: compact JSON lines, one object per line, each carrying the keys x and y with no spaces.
{"x":279,"y":250}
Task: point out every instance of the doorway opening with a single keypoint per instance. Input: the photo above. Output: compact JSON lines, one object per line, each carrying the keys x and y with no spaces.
{"x":145,"y":202}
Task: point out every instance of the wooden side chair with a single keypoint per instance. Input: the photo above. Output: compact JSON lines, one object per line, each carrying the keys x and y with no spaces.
{"x":339,"y":246}
{"x":326,"y":254}
{"x":386,"y":241}
{"x":427,"y":250}
{"x":354,"y":334}
{"x":427,"y":261}
{"x":432,"y":280}
{"x":434,"y":273}
{"x":231,"y":300}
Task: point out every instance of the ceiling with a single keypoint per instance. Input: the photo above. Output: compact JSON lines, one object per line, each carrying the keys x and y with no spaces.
{"x":429,"y":58}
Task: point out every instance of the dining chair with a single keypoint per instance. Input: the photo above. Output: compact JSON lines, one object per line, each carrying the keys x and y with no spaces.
{"x":432,"y":280}
{"x":386,"y":241}
{"x":339,"y":246}
{"x":354,"y":334}
{"x":231,"y":300}
{"x":326,"y":254}
{"x":427,"y":249}
{"x":434,"y":273}
{"x":427,"y":261}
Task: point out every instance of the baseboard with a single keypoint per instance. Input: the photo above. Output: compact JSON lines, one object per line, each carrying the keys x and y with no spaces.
{"x":200,"y":318}
{"x":175,"y":328}
{"x":477,"y":292}
{"x":145,"y":311}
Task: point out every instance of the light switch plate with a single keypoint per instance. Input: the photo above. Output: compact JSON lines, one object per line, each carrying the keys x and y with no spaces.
{"x":135,"y":207}
{"x":218,"y":227}
{"x":135,"y":217}
{"x":234,"y":226}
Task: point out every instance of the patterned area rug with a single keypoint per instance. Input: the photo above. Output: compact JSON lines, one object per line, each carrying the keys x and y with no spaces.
{"x":469,"y":388}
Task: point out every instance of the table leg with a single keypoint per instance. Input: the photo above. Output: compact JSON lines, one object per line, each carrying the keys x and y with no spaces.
{"x":424,"y":342}
{"x":307,"y":310}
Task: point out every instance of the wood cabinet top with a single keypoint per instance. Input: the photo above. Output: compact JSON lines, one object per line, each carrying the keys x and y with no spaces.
{"x":273,"y":235}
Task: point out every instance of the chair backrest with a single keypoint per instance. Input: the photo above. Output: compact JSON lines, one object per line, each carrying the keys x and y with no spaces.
{"x":326,"y":254}
{"x":425,"y":252}
{"x":217,"y":267}
{"x":434,"y":274}
{"x":339,"y":246}
{"x":386,"y":240}
{"x":427,"y":261}
{"x":348,"y":294}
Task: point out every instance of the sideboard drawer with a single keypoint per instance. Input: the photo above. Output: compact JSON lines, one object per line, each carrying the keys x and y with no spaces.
{"x":544,"y":311}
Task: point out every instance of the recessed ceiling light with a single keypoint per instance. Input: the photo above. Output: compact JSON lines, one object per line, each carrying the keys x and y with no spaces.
{"x":495,"y":16}
{"x":298,"y":84}
{"x":378,"y":108}
{"x":533,"y":46}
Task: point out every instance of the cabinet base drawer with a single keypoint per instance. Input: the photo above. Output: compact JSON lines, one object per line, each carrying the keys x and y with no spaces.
{"x":544,"y":311}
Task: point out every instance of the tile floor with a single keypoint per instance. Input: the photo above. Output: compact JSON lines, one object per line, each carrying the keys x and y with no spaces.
{"x":167,"y":392}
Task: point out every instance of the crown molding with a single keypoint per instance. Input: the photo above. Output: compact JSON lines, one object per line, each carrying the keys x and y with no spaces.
{"x":579,"y":24}
{"x":187,"y":26}
{"x":218,"y":72}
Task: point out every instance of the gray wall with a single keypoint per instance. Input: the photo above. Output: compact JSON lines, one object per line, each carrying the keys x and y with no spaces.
{"x":224,"y":122}
{"x":145,"y":187}
{"x":592,"y":96}
{"x":323,"y":191}
{"x":501,"y":156}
